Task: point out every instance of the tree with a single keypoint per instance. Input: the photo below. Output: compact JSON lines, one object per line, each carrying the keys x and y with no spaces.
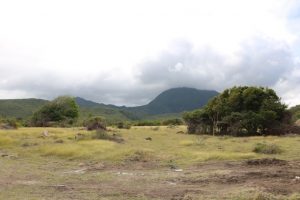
{"x":239,"y":111}
{"x":61,"y":111}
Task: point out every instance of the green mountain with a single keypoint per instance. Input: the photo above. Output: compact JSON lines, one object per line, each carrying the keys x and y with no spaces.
{"x":175,"y":100}
{"x":20,"y":108}
{"x":168,"y":104}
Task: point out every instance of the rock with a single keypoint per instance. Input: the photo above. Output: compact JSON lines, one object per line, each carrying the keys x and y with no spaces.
{"x":45,"y":133}
{"x":178,"y":170}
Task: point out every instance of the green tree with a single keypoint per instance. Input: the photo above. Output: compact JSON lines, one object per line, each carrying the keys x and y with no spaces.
{"x":61,"y":111}
{"x":239,"y":111}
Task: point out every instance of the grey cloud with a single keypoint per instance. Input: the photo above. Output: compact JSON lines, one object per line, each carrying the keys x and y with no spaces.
{"x":260,"y":61}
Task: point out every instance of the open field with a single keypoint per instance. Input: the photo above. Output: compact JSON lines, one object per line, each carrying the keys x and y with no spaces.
{"x":67,"y":165}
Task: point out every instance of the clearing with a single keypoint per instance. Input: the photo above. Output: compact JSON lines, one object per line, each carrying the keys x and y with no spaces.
{"x":148,"y":163}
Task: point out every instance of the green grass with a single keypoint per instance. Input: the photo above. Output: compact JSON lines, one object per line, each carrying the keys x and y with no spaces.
{"x":267,"y":148}
{"x":166,"y":145}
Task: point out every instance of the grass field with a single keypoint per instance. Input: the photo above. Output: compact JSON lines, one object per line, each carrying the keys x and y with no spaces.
{"x":68,"y":163}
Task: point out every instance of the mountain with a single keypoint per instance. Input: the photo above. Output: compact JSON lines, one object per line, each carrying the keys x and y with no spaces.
{"x":168,"y":104}
{"x":20,"y":108}
{"x":175,"y":100}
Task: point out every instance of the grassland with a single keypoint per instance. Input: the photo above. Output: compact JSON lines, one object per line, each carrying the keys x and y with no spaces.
{"x":66,"y":163}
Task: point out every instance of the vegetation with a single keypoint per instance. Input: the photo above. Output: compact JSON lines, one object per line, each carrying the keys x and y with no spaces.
{"x":95,"y":123}
{"x":267,"y":148}
{"x":184,"y":149}
{"x":175,"y":100}
{"x":147,"y":123}
{"x":240,"y":111}
{"x":9,"y":123}
{"x":295,"y":113}
{"x":61,"y":111}
{"x":175,"y":121}
{"x":79,"y":169}
{"x":123,"y":125}
{"x":20,"y":108}
{"x":168,"y":104}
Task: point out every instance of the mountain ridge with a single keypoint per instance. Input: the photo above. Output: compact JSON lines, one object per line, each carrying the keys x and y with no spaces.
{"x":171,"y":101}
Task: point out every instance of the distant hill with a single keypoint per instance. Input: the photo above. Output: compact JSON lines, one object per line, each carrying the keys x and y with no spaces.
{"x":175,"y":100}
{"x":20,"y":108}
{"x":167,"y":104}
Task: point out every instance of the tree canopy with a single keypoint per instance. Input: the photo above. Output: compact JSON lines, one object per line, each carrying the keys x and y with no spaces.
{"x":239,"y":111}
{"x":61,"y":111}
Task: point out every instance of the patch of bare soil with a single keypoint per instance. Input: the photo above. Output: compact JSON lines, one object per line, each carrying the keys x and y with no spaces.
{"x":266,"y":161}
{"x":138,"y":180}
{"x":274,"y":176}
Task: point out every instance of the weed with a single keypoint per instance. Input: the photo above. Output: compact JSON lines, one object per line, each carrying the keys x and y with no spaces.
{"x":141,"y":156}
{"x":267,"y":148}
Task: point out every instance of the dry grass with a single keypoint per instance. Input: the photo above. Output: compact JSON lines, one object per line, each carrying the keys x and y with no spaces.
{"x":166,"y":144}
{"x":137,"y":168}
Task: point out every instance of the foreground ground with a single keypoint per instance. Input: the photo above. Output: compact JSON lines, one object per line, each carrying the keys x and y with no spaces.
{"x":69,"y":164}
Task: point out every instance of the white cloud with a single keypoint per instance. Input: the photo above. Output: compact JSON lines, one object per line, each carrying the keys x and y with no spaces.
{"x":125,"y":52}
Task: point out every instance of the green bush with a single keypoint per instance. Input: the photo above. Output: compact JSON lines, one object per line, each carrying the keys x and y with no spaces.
{"x":267,"y":148}
{"x":240,"y":111}
{"x":147,"y":123}
{"x":123,"y":125}
{"x":175,"y":121}
{"x":62,"y":111}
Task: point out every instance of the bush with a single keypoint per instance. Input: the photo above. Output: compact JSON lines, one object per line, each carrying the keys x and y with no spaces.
{"x":175,"y":121}
{"x":147,"y":123}
{"x":62,"y":111}
{"x":123,"y":125}
{"x":141,"y":156}
{"x":95,"y":123}
{"x":9,"y":124}
{"x":239,"y":111}
{"x":267,"y":148}
{"x":101,"y":135}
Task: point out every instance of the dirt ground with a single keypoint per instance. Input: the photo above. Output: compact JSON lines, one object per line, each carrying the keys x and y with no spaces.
{"x":252,"y":179}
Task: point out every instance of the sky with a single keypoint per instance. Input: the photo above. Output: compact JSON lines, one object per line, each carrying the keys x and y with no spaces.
{"x":127,"y":52}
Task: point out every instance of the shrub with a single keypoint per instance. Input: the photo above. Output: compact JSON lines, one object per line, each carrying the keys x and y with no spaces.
{"x":267,"y":148}
{"x":9,"y":124}
{"x":141,"y":156}
{"x":123,"y":125}
{"x":147,"y":123}
{"x":175,"y":121}
{"x":239,"y":111}
{"x":62,"y":111}
{"x":101,"y":135}
{"x":95,"y":123}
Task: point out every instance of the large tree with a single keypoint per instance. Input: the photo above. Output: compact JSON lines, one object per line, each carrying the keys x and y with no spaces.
{"x":239,"y":111}
{"x":59,"y":112}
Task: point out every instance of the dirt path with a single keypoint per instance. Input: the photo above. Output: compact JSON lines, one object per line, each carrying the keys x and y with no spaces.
{"x":221,"y":180}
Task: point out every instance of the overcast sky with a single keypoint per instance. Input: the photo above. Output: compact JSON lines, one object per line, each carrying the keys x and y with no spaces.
{"x":126,"y":52}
